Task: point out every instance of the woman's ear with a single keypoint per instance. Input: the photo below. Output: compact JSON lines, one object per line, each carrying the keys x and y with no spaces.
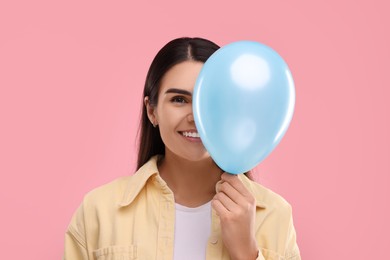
{"x":151,"y":110}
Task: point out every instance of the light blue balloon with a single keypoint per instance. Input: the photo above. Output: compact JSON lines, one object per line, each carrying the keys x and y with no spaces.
{"x":243,"y":102}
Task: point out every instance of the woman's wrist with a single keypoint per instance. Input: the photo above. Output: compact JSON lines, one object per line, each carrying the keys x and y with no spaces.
{"x":251,"y":252}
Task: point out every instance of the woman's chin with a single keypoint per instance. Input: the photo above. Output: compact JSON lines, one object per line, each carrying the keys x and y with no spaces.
{"x":196,"y":157}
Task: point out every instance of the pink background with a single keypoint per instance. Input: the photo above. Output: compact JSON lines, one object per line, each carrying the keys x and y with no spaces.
{"x":71,"y":77}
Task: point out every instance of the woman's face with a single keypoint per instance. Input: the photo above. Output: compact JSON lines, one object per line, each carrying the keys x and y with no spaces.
{"x":173,"y":113}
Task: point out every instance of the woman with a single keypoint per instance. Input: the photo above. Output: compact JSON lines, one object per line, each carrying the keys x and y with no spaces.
{"x":179,"y":204}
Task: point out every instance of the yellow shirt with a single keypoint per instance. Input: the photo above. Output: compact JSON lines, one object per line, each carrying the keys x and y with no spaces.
{"x":133,"y":217}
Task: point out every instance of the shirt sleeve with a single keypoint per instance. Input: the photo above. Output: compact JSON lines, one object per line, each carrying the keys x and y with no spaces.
{"x":286,"y":240}
{"x":292,"y":250}
{"x":75,"y":242}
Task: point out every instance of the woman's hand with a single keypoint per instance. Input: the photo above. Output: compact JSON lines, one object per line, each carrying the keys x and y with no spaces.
{"x":236,"y":207}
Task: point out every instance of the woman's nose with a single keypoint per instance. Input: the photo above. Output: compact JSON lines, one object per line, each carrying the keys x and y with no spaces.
{"x":190,"y":117}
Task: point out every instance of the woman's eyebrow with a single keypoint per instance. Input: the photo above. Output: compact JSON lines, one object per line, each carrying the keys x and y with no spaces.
{"x":178,"y":91}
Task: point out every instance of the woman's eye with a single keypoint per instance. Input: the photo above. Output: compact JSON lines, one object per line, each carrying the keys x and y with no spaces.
{"x":178,"y":100}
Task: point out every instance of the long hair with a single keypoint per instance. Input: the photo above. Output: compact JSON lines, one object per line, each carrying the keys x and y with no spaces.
{"x":174,"y":52}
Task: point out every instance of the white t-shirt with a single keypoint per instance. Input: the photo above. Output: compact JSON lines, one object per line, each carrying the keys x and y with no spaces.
{"x":192,"y":230}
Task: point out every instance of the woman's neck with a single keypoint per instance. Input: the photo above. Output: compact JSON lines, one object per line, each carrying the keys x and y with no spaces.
{"x":193,"y":183}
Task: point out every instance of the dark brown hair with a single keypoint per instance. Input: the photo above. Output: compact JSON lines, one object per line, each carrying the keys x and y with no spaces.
{"x":174,"y":52}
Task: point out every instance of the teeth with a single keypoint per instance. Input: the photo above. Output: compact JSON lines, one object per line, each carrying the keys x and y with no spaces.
{"x":191,"y":134}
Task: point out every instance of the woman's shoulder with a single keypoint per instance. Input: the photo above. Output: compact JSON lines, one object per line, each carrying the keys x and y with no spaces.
{"x":101,"y":199}
{"x":107,"y":193}
{"x":275,"y":215}
{"x":123,"y":189}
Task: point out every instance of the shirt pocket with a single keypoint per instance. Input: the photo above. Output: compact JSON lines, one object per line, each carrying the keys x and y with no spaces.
{"x":116,"y":253}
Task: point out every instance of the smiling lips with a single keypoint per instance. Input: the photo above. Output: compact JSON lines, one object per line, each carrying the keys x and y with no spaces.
{"x":191,"y":135}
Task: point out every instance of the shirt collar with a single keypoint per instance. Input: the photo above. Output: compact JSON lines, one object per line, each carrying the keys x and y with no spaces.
{"x":149,"y":169}
{"x":254,"y":189}
{"x":138,"y":180}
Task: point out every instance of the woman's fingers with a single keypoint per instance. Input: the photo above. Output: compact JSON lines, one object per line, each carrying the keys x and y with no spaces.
{"x":232,"y":193}
{"x":226,"y":201}
{"x":235,"y":206}
{"x":234,"y":196}
{"x":236,"y":183}
{"x":219,"y":208}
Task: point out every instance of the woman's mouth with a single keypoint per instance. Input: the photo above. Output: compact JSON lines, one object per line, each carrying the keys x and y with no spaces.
{"x":192,"y":136}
